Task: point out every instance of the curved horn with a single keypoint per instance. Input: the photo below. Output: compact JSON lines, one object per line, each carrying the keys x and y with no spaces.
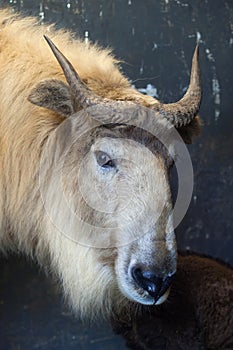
{"x":84,"y":97}
{"x":182,"y":112}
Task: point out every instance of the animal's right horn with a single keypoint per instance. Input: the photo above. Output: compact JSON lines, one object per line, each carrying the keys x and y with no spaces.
{"x":83,"y":96}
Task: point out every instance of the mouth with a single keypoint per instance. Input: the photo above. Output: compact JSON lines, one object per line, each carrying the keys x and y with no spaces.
{"x":143,"y":297}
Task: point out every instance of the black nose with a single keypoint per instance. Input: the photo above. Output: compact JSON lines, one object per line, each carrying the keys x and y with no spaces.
{"x":148,"y":280}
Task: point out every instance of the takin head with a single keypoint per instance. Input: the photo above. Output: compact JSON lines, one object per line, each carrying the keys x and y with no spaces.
{"x":108,"y":173}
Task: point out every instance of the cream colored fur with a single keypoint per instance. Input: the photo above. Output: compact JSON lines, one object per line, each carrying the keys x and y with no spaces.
{"x":25,"y":60}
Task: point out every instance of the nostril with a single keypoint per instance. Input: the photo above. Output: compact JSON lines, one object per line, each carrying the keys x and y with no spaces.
{"x":148,"y":280}
{"x":167,"y":283}
{"x":137,"y":274}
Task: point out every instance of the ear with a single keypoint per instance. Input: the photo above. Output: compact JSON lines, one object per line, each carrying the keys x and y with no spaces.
{"x":192,"y":130}
{"x":55,"y":95}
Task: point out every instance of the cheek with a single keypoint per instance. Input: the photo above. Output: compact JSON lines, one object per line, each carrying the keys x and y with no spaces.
{"x":108,"y":258}
{"x":97,"y":188}
{"x":121,"y":273}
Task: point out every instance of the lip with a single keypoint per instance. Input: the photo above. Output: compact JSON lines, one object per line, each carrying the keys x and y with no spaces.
{"x":163,"y":297}
{"x":145,"y":298}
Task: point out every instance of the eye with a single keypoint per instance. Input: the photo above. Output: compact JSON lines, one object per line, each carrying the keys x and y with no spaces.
{"x":104,"y":160}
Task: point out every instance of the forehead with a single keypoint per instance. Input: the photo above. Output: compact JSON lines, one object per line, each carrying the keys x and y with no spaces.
{"x":140,"y":136}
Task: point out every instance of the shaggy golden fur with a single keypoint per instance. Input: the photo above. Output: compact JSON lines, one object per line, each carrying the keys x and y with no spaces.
{"x":26,"y":60}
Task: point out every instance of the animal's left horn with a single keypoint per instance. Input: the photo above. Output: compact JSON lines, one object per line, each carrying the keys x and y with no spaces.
{"x":181,"y":113}
{"x":84,"y":97}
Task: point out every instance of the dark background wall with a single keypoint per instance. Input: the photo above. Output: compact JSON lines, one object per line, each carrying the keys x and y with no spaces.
{"x":156,"y":39}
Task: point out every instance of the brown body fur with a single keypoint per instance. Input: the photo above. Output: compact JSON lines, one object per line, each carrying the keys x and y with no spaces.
{"x":198,"y":314}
